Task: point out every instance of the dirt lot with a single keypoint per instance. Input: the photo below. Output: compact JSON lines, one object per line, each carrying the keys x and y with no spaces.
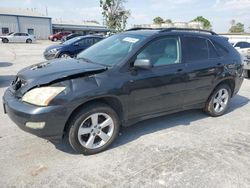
{"x":187,"y":149}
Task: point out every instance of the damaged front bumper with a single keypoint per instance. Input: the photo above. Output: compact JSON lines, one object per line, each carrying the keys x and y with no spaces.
{"x":46,"y":122}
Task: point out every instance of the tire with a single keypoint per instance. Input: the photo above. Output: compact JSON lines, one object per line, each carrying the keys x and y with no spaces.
{"x":29,"y":41}
{"x":85,"y":134}
{"x":64,"y":55}
{"x":247,"y":73}
{"x":54,"y":39}
{"x":5,"y":40}
{"x":218,"y":102}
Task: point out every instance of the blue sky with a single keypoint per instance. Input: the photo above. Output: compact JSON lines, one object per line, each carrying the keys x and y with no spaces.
{"x":219,"y":12}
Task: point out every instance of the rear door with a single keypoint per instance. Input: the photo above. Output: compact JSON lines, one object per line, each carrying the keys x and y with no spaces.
{"x":203,"y":64}
{"x":24,"y":37}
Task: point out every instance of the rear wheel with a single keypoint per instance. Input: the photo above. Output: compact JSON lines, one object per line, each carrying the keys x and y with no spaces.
{"x":219,"y":100}
{"x":5,"y":40}
{"x":93,"y":129}
{"x":28,"y":41}
{"x":54,"y":39}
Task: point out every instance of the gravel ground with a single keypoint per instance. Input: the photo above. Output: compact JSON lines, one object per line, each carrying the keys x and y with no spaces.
{"x":187,"y":149}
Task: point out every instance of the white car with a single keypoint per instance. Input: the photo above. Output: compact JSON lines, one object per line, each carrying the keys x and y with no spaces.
{"x":244,"y":49}
{"x":17,"y":37}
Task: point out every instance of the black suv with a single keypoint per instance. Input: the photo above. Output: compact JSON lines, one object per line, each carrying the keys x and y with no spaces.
{"x":126,"y":78}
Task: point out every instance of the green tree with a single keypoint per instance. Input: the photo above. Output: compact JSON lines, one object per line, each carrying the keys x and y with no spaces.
{"x":158,"y":20}
{"x":115,"y":14}
{"x":236,"y":27}
{"x":169,"y":21}
{"x":206,"y":22}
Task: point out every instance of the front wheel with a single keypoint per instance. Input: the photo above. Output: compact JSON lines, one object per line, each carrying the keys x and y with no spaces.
{"x":64,"y":55}
{"x":93,"y":129}
{"x":5,"y":40}
{"x":218,"y":102}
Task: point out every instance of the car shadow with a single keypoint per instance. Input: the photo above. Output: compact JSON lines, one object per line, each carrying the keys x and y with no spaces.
{"x":145,"y":127}
{"x":5,"y":80}
{"x":5,"y":64}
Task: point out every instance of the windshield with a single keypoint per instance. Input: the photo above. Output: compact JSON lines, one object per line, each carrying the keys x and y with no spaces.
{"x":112,"y":50}
{"x":71,"y":41}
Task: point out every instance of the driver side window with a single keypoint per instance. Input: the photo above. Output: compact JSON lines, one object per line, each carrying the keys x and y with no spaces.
{"x":162,"y":51}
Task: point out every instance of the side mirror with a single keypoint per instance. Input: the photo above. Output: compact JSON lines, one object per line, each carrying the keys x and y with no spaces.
{"x":76,"y":44}
{"x":143,"y":64}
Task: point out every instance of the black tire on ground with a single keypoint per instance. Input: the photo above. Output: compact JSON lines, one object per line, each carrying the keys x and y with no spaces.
{"x":5,"y":40}
{"x":210,"y":106}
{"x":247,"y":74}
{"x":28,"y":41}
{"x":81,"y":116}
{"x":54,"y":39}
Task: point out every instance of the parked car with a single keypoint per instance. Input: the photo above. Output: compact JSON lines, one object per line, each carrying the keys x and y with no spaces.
{"x":17,"y":37}
{"x":123,"y":79}
{"x":244,"y":49}
{"x":58,"y":36}
{"x":70,"y":48}
{"x":70,"y":36}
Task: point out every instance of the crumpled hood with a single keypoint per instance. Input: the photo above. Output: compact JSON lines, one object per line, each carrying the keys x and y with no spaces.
{"x":58,"y":69}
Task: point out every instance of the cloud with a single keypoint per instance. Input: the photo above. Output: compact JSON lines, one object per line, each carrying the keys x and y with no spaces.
{"x":28,"y":1}
{"x":234,"y":5}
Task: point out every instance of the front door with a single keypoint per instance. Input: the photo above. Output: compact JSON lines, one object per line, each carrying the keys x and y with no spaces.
{"x":161,"y":88}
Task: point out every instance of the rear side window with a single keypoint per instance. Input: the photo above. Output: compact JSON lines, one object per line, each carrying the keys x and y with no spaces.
{"x":212,"y":53}
{"x":197,"y":49}
{"x":222,"y":51}
{"x":97,"y":40}
{"x":17,"y":34}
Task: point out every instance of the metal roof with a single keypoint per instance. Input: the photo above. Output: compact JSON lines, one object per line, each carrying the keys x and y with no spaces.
{"x":62,"y":24}
{"x":21,"y":12}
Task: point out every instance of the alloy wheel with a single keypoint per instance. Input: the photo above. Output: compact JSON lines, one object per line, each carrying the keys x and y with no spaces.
{"x":96,"y":130}
{"x":65,"y":56}
{"x":220,"y":101}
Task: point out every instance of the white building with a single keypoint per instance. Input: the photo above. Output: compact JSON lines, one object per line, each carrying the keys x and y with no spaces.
{"x":25,"y":20}
{"x":192,"y":24}
{"x":41,"y":26}
{"x":237,"y":37}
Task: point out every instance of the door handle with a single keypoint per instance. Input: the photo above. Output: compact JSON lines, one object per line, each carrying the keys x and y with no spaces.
{"x":179,"y":70}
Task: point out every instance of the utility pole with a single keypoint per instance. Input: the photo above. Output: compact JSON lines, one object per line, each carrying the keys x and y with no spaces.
{"x":46,"y":8}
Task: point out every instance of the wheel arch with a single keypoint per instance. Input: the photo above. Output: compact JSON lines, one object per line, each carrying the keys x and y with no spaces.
{"x":111,"y":101}
{"x":229,"y":81}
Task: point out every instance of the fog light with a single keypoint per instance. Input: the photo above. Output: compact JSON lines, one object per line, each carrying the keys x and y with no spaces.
{"x":35,"y":125}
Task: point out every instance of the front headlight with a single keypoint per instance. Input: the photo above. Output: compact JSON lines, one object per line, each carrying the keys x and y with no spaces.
{"x":53,"y":50}
{"x":42,"y":96}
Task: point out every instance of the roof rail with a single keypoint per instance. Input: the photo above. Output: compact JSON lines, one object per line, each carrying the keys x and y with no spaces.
{"x":187,"y":29}
{"x":139,"y":28}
